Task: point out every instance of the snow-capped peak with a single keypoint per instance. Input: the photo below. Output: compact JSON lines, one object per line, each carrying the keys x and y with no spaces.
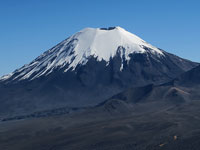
{"x":102,"y":43}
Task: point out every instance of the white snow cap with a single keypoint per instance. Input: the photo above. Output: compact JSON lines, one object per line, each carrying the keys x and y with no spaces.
{"x":102,"y":43}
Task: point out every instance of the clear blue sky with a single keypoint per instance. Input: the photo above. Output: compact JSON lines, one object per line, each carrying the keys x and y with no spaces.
{"x":29,"y":27}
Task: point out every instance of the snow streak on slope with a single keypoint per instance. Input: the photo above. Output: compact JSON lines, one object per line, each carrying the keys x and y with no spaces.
{"x":100,"y":43}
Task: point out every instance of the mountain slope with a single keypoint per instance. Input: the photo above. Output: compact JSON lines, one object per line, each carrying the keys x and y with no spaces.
{"x":102,"y":44}
{"x":85,"y":69}
{"x":183,"y":89}
{"x":153,"y":117}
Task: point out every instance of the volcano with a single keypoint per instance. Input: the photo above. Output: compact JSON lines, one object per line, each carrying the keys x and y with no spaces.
{"x":85,"y":69}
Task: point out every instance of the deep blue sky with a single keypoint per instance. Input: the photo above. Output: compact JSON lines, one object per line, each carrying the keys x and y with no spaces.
{"x":29,"y":27}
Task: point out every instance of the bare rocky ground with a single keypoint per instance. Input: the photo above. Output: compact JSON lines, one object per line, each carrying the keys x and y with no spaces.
{"x":172,"y":128}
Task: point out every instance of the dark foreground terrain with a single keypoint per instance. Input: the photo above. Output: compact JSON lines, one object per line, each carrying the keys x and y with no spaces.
{"x":170,"y":128}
